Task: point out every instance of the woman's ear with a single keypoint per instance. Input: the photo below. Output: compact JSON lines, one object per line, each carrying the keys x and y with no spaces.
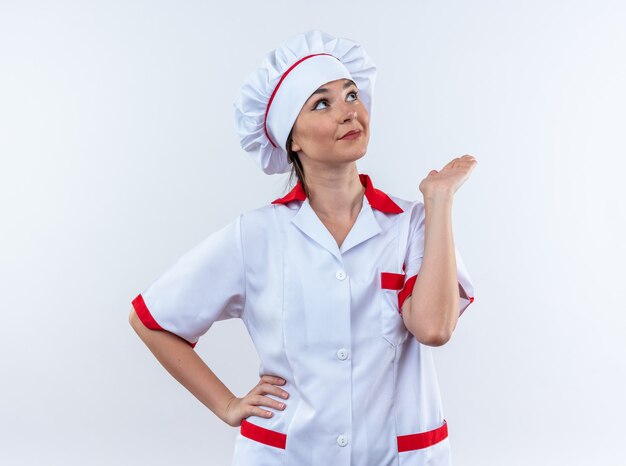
{"x":295,"y":147}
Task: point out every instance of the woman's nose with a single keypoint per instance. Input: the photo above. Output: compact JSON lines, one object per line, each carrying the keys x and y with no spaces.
{"x":345,"y":111}
{"x":349,"y":114}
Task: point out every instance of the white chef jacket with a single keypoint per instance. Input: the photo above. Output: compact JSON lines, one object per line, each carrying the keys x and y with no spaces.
{"x":362,"y":390}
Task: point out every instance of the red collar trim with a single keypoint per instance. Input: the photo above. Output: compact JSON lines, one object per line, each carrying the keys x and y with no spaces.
{"x":377,"y":199}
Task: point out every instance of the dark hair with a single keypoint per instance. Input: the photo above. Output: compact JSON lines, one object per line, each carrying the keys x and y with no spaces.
{"x":296,"y":165}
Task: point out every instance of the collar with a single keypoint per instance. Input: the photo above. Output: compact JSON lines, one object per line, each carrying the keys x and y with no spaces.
{"x":377,"y":199}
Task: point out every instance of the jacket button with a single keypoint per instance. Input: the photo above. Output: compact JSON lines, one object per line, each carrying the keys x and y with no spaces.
{"x":340,"y":275}
{"x":342,"y":354}
{"x":342,"y":440}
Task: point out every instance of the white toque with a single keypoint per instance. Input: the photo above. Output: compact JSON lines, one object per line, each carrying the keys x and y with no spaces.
{"x":272,"y":96}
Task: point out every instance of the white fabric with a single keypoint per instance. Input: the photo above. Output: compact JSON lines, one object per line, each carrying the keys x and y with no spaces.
{"x":296,"y":88}
{"x":304,"y":300}
{"x":205,"y":285}
{"x":413,"y":258}
{"x":252,"y":102}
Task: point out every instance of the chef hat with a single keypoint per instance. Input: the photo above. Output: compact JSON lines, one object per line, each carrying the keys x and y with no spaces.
{"x":272,"y":96}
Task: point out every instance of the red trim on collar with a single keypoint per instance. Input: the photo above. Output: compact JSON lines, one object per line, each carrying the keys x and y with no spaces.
{"x":377,"y":199}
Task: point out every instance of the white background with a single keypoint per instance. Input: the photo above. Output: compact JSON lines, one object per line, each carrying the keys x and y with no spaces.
{"x":118,"y":154}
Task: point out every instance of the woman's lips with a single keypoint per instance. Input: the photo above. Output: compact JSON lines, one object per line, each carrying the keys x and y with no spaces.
{"x":352,"y":135}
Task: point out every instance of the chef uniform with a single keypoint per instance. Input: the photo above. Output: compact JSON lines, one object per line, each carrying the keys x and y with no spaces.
{"x":363,"y":391}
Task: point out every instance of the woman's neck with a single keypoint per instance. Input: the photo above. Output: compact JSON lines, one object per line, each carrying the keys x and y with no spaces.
{"x":336,"y":194}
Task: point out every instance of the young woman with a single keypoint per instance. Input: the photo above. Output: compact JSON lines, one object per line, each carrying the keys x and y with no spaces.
{"x":343,"y":288}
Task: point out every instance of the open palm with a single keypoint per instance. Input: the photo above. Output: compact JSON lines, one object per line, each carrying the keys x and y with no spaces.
{"x":450,"y":178}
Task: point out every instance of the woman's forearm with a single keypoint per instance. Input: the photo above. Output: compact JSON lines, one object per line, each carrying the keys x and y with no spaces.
{"x":184,"y":364}
{"x":433,"y":310}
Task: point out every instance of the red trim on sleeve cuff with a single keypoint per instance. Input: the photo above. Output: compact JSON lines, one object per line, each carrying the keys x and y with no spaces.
{"x":146,"y":317}
{"x":408,"y":290}
{"x":144,"y":314}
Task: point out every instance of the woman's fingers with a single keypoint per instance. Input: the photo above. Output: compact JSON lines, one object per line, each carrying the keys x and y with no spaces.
{"x":449,"y":178}
{"x":260,"y":412}
{"x":267,"y":384}
{"x":256,"y":398}
{"x":465,"y":159}
{"x":273,"y":390}
{"x":260,"y":400}
{"x":255,"y":402}
{"x":272,"y":379}
{"x":251,"y":404}
{"x":450,"y":163}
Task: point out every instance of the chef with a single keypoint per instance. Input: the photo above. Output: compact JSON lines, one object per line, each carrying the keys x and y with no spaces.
{"x":343,"y":288}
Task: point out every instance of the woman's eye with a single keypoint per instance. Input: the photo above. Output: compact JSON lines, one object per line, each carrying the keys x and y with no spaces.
{"x":325,"y":102}
{"x":319,"y":102}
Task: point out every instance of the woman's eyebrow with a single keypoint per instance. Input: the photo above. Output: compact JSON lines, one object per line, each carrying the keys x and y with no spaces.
{"x":323,"y":90}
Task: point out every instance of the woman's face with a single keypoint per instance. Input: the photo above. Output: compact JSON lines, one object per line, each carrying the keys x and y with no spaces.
{"x":332,"y":111}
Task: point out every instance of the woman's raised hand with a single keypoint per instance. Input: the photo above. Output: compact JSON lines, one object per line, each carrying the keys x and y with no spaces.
{"x":450,"y":178}
{"x":240,"y":408}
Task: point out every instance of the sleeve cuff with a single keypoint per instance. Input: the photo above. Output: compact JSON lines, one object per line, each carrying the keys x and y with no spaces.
{"x":407,"y":291}
{"x":146,"y":317}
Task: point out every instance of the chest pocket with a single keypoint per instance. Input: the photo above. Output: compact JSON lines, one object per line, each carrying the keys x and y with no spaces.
{"x":391,"y":282}
{"x":392,"y":325}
